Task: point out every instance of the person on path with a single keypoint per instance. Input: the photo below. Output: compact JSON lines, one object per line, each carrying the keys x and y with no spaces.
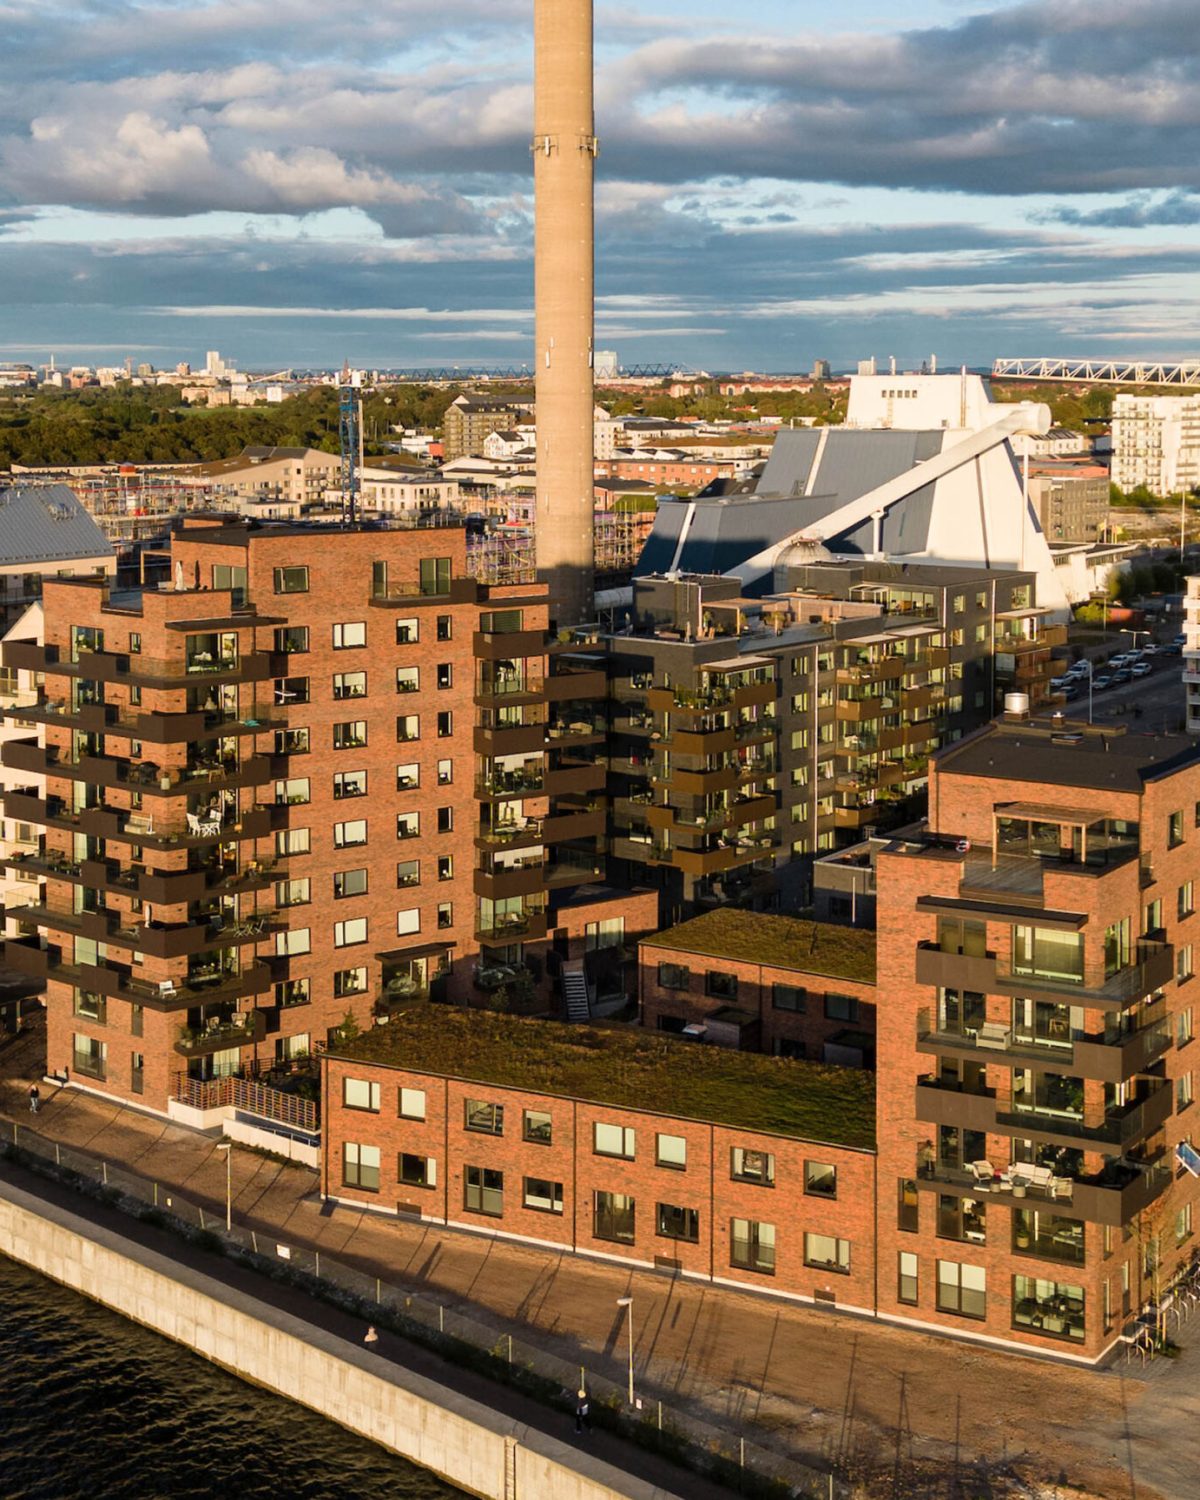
{"x":371,"y":1337}
{"x":35,"y":1099}
{"x":583,"y":1421}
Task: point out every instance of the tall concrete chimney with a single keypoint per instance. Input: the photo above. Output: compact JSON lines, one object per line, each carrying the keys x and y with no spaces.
{"x":564,"y":153}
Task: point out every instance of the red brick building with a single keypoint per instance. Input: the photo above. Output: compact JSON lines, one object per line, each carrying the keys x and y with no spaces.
{"x":748,"y":1170}
{"x":764,"y":983}
{"x":320,"y":773}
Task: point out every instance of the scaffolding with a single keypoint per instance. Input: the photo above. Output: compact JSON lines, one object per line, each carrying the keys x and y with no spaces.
{"x":505,"y":555}
{"x":128,"y":502}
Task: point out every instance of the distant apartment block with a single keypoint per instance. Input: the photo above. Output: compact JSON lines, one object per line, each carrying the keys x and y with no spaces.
{"x":1191,"y":654}
{"x":1156,"y":443}
{"x":45,"y":533}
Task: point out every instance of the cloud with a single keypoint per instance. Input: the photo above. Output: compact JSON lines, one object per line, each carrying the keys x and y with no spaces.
{"x":1141,"y":211}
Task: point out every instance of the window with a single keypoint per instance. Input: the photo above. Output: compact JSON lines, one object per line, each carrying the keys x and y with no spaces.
{"x":349,"y":883}
{"x":291,"y":742}
{"x":718,"y":986}
{"x":483,"y":1191}
{"x":294,"y":791}
{"x":613,"y":1217}
{"x":91,"y":1056}
{"x":408,"y":775}
{"x":407,"y":632}
{"x":752,"y":1166}
{"x":908,"y":1208}
{"x":435,"y":575}
{"x":349,"y":685}
{"x":752,"y":1245}
{"x":408,"y":921}
{"x":349,"y":635}
{"x":1048,"y":1307}
{"x":907,"y":1279}
{"x":614,"y":1140}
{"x":1175,"y":830}
{"x":788,"y":997}
{"x":445,"y":820}
{"x":841,"y":1008}
{"x":289,"y":690}
{"x":408,"y":825}
{"x":961,"y":1289}
{"x":445,"y":724}
{"x":350,"y":835}
{"x":671,"y":1151}
{"x":445,"y":772}
{"x":542,"y":1195}
{"x":827,"y":1253}
{"x":1187,"y":904}
{"x":416,"y":1171}
{"x":408,"y":873}
{"x":485,"y":1118}
{"x":294,"y":943}
{"x":412,"y":1104}
{"x":291,"y":992}
{"x":1183,"y":1224}
{"x":537,"y":1127}
{"x":445,"y":867}
{"x":291,"y":640}
{"x":1048,"y":953}
{"x":135,"y":649}
{"x":1183,"y":1027}
{"x":674,"y":977}
{"x":445,"y":914}
{"x":137,"y":1072}
{"x":349,"y":784}
{"x":408,"y":727}
{"x":1117,"y":939}
{"x":445,"y":628}
{"x":359,"y":1093}
{"x":291,"y":580}
{"x":349,"y":982}
{"x":445,"y":674}
{"x":820,"y":1179}
{"x":674,"y":1223}
{"x":1183,"y":963}
{"x":408,"y":679}
{"x":351,"y":735}
{"x":1183,"y":1091}
{"x":347,"y":934}
{"x":360,"y":1166}
{"x":91,"y":1007}
{"x":293,"y":892}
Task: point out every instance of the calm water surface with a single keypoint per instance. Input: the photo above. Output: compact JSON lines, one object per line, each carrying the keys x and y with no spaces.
{"x":95,"y":1408}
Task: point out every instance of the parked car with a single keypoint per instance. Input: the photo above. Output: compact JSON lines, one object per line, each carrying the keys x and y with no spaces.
{"x":1103,"y":681}
{"x":1080,"y":669}
{"x":1149,"y":649}
{"x":1142,"y":669}
{"x":1060,"y":684}
{"x":1179,"y":640}
{"x":1174,"y":649}
{"x":1124,"y":675}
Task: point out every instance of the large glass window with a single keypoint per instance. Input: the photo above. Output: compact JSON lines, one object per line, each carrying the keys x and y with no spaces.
{"x":435,"y":575}
{"x":827,"y":1253}
{"x":291,"y":580}
{"x":752,"y":1166}
{"x":961,"y":1289}
{"x":908,"y":1279}
{"x":752,"y":1245}
{"x":360,"y":1166}
{"x":614,"y":1217}
{"x":1036,"y":1232}
{"x":543,"y":1196}
{"x":1047,"y":953}
{"x":484,"y":1117}
{"x":676,"y":1223}
{"x":483,"y":1191}
{"x":1049,"y":1307}
{"x":614,"y":1140}
{"x":360,"y":1093}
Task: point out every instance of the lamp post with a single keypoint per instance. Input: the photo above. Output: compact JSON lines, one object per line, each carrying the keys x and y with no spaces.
{"x":627,"y":1303}
{"x":1135,"y":633}
{"x":227,"y":1147}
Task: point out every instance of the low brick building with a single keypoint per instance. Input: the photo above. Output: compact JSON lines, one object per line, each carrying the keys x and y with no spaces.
{"x":764,"y":983}
{"x":747,"y":1170}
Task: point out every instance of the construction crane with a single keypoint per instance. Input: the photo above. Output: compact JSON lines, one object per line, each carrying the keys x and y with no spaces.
{"x":350,"y":440}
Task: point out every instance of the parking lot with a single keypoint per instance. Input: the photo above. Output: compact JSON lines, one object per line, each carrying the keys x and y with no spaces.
{"x":1152,"y":700}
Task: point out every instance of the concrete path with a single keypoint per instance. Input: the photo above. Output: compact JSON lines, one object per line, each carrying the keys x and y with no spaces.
{"x":897,"y":1407}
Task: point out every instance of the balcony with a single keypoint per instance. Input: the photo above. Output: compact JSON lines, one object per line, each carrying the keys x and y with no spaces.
{"x":1114,"y":1197}
{"x":956,"y":971}
{"x":564,"y":825}
{"x":411,"y":591}
{"x":242,"y":1029}
{"x":1118,"y":1128}
{"x":949,"y":1104}
{"x":567,"y":778}
{"x":577,"y":730}
{"x":508,"y":645}
{"x":510,"y":739}
{"x":587,"y":684}
{"x":514,"y":834}
{"x":521,"y":878}
{"x":502,"y":785}
{"x":512,"y":927}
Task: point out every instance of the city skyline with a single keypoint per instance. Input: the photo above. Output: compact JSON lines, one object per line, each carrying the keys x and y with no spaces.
{"x":987,"y":179}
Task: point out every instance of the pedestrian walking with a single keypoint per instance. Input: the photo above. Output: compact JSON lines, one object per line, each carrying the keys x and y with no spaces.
{"x":583,"y":1420}
{"x":371,"y":1337}
{"x":35,"y":1099}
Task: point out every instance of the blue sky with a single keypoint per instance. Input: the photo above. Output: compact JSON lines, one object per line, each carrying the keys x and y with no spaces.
{"x":298,"y":182}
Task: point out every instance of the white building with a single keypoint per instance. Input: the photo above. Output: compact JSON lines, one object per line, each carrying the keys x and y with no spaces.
{"x":393,"y":492}
{"x":1156,"y":443}
{"x":1191,"y":653}
{"x":19,"y":840}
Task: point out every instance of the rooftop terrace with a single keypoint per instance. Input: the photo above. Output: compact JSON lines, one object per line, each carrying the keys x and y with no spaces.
{"x":628,"y":1069}
{"x":781,"y":942}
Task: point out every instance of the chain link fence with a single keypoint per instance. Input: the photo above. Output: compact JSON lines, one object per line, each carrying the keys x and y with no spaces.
{"x":732,"y":1458}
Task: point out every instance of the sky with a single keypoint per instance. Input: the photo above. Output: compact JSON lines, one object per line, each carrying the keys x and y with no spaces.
{"x":299,"y":182}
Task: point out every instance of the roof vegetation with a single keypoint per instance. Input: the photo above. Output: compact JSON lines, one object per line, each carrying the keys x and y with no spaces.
{"x":780,"y":942}
{"x":630,"y":1069}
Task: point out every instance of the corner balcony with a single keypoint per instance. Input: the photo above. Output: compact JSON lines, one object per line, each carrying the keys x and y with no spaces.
{"x":243,"y":1029}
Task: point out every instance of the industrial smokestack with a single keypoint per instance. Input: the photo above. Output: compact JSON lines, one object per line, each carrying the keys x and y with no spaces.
{"x":564,"y":153}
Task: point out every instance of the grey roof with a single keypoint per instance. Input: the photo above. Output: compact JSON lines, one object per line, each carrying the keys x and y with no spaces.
{"x":791,"y":495}
{"x":47,"y":523}
{"x":1071,"y":756}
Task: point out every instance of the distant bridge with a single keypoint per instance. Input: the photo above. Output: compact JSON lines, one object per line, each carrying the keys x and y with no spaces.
{"x":452,"y":373}
{"x":1100,"y":371}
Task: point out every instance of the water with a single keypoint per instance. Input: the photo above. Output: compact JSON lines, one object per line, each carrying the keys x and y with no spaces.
{"x":95,"y":1408}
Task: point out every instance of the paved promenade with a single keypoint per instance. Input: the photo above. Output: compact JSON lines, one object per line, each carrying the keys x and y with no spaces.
{"x":908,"y":1410}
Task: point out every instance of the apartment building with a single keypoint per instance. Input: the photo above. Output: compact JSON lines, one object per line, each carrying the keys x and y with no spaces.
{"x":763,"y":983}
{"x":1156,"y":443}
{"x":1191,"y":654}
{"x":45,"y":533}
{"x":742,"y":1170}
{"x":751,"y":735}
{"x":287,"y":477}
{"x":19,"y":688}
{"x":1037,"y":947}
{"x":1071,"y":499}
{"x":470,"y":419}
{"x":319,"y":775}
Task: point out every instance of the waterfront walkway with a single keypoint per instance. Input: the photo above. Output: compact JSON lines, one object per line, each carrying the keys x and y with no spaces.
{"x":899,"y":1406}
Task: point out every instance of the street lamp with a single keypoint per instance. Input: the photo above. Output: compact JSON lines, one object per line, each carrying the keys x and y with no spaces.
{"x":227,"y":1147}
{"x":627,"y":1302}
{"x":1135,"y":633}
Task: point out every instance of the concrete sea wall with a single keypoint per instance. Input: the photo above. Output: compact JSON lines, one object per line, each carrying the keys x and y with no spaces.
{"x":466,"y":1443}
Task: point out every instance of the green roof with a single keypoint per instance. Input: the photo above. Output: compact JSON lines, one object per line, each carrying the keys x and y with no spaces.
{"x":629,"y":1068}
{"x":782,"y":942}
